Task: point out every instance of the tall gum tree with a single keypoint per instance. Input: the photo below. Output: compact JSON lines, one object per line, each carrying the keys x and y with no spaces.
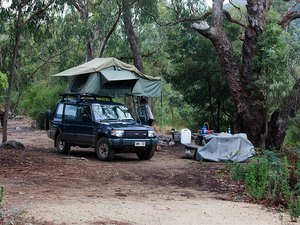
{"x":132,"y":37}
{"x":250,"y":118}
{"x":99,"y":22}
{"x":22,"y":13}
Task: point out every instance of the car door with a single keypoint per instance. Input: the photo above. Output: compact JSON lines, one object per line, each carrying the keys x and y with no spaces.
{"x":68,"y":128}
{"x":84,"y":125}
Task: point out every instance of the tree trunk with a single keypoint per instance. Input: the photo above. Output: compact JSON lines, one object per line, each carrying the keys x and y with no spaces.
{"x":16,"y":105}
{"x":250,"y":104}
{"x":278,"y":123}
{"x":134,"y":44}
{"x":89,"y":41}
{"x":11,"y":77}
{"x":1,"y":117}
{"x":250,"y":118}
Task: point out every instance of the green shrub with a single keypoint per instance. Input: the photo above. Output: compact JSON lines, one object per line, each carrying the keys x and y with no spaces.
{"x":292,"y":137}
{"x":38,"y":98}
{"x":274,"y":176}
{"x":294,"y":207}
{"x":266,"y":177}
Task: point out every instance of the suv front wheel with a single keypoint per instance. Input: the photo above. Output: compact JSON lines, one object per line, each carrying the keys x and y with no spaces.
{"x":104,"y":151}
{"x":62,"y":147}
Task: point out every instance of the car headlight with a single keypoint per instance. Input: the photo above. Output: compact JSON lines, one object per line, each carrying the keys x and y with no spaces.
{"x":117,"y":133}
{"x":151,"y":133}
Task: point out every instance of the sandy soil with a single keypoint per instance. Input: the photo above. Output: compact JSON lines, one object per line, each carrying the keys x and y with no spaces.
{"x":55,"y":189}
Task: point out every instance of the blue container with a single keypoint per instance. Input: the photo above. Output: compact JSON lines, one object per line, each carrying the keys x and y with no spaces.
{"x":204,"y":130}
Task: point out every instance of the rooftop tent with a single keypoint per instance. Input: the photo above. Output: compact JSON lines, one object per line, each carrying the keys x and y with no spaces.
{"x":112,"y":78}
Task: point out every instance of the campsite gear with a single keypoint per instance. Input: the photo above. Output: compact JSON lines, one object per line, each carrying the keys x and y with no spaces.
{"x":187,"y":152}
{"x":226,"y":147}
{"x":204,"y":130}
{"x":229,"y":131}
{"x":110,"y":77}
{"x":185,"y":136}
{"x":177,"y":137}
{"x":207,"y":125}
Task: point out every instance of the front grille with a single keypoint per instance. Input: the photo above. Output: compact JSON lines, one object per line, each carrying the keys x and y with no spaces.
{"x":136,"y":134}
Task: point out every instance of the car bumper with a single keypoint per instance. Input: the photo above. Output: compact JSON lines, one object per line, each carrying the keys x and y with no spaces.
{"x":124,"y":143}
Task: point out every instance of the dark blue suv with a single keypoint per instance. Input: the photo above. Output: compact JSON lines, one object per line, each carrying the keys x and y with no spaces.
{"x":107,"y":126}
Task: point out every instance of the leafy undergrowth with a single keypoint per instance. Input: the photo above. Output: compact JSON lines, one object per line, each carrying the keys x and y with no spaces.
{"x":271,"y":178}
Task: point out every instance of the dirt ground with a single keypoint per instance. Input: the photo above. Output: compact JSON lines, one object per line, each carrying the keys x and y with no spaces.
{"x":55,"y":189}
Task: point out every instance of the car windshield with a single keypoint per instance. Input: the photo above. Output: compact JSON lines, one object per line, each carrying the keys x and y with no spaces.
{"x":111,"y":112}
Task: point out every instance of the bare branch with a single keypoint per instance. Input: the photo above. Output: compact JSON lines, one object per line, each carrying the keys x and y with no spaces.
{"x":194,"y":18}
{"x":178,"y":21}
{"x":175,"y":8}
{"x":37,"y":14}
{"x":288,"y":17}
{"x":51,"y":57}
{"x":192,"y":9}
{"x":143,"y":55}
{"x":238,"y":22}
{"x":238,"y":8}
{"x":203,"y":17}
{"x":291,"y":7}
{"x":101,"y":50}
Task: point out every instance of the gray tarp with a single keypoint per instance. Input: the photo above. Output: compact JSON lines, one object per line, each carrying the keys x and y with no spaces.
{"x":111,"y":77}
{"x":226,"y":147}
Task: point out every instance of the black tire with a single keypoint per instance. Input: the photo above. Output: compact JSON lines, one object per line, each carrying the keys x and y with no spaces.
{"x":104,"y":151}
{"x":146,"y":155}
{"x":47,"y":119}
{"x":62,"y":147}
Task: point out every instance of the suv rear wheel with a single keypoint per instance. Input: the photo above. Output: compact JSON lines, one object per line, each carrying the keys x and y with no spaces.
{"x":62,"y":147}
{"x":103,"y":150}
{"x":146,"y":155}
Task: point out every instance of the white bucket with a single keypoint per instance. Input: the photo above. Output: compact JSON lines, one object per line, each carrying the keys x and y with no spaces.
{"x":185,"y":136}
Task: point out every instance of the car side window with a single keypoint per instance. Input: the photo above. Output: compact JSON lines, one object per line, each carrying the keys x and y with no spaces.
{"x":71,"y":112}
{"x":85,"y":110}
{"x":59,"y":111}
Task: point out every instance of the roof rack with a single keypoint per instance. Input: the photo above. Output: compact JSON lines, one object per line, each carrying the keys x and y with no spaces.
{"x":82,"y":97}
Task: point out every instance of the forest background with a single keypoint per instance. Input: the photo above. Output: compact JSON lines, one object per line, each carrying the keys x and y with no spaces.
{"x":41,"y":38}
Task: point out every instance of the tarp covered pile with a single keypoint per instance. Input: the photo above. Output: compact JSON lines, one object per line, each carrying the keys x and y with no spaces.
{"x":226,"y":147}
{"x":110,"y":77}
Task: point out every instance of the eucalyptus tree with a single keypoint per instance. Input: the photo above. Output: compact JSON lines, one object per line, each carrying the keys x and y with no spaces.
{"x":132,"y":15}
{"x":251,"y":111}
{"x":199,"y":77}
{"x":20,"y":17}
{"x":96,"y":23}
